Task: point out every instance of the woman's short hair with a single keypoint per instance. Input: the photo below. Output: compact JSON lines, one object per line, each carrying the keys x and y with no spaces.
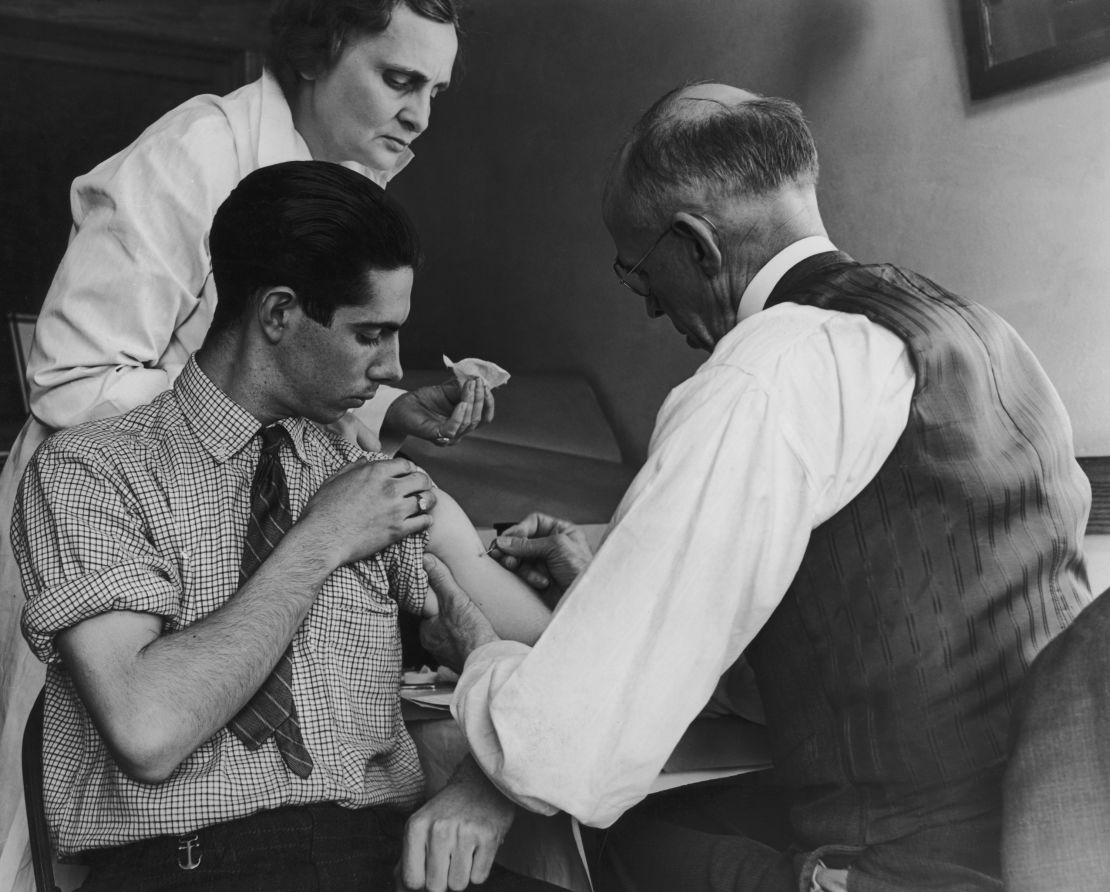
{"x":307,"y":36}
{"x":312,"y":226}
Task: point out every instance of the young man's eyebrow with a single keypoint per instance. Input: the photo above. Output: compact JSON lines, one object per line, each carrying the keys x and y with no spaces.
{"x":376,"y":326}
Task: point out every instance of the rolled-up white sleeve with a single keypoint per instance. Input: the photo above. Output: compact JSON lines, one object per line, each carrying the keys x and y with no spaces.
{"x":132,"y":275}
{"x":774,"y":434}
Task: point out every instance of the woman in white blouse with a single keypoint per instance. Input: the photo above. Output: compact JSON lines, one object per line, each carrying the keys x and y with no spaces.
{"x":350,"y":81}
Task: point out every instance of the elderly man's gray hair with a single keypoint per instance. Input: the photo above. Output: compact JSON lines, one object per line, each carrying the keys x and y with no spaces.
{"x":690,"y":144}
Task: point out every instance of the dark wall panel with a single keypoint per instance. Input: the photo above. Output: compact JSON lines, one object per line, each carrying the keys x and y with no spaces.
{"x":71,"y":96}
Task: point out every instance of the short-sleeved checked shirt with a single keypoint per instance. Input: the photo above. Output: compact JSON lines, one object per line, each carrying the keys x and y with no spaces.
{"x":147,"y":512}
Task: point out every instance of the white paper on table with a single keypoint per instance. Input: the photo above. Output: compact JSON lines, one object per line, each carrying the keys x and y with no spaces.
{"x":429,"y":699}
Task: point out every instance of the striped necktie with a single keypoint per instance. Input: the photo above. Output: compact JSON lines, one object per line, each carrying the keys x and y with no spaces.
{"x":271,"y":710}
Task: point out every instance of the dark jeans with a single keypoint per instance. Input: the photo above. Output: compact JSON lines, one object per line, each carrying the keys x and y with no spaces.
{"x":735,"y":836}
{"x":320,"y":848}
{"x":715,"y":837}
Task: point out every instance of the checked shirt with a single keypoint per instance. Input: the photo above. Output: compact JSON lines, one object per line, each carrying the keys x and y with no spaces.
{"x":148,"y":512}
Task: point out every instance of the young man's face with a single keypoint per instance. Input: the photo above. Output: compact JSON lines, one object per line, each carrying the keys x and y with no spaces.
{"x":329,"y":370}
{"x":377,"y":97}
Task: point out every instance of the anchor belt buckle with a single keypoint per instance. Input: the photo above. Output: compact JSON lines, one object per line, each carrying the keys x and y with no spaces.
{"x":189,"y":854}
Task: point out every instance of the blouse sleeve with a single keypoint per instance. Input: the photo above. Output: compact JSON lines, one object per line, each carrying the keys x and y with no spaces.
{"x":134,"y":271}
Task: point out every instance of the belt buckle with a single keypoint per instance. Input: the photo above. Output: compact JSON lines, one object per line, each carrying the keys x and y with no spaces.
{"x":189,"y":854}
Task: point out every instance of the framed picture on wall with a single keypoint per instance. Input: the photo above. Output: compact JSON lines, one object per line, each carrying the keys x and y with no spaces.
{"x":1011,"y":43}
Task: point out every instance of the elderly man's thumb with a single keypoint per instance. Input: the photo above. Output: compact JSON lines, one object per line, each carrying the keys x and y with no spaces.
{"x":520,"y":547}
{"x":446,"y":590}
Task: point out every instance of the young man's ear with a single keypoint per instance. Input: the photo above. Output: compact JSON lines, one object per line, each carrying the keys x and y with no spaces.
{"x":702,"y":239}
{"x":276,"y":307}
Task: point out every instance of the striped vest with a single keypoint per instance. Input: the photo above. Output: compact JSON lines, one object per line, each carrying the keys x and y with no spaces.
{"x":890,"y":669}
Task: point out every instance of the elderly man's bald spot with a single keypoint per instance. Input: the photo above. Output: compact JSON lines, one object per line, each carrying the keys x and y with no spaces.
{"x":687,"y":101}
{"x":703,"y":142}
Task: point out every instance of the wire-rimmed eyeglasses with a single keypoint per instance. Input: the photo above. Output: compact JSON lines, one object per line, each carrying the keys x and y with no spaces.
{"x":624,"y":274}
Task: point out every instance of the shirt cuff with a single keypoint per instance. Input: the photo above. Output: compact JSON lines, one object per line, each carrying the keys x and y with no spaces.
{"x":486,"y":670}
{"x":477,"y":685}
{"x":487,"y":654}
{"x":134,"y":586}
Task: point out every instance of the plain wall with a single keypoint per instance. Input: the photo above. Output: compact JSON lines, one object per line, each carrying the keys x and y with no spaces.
{"x":1003,"y":200}
{"x":1006,"y":201}
{"x":507,"y":183}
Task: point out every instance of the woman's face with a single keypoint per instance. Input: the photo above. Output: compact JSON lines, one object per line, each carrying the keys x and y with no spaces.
{"x":377,"y":98}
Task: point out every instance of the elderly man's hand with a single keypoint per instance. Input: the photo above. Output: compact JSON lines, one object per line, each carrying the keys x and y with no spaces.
{"x":544,"y":551}
{"x":452,"y":840}
{"x":458,"y":626}
{"x":442,"y":413}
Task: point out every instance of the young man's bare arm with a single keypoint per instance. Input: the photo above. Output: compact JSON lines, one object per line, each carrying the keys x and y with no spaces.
{"x":514,"y":610}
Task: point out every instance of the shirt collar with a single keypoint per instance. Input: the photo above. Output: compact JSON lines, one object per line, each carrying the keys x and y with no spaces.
{"x":381,"y":177}
{"x":222,"y":426}
{"x":763,"y":282}
{"x":280,"y":140}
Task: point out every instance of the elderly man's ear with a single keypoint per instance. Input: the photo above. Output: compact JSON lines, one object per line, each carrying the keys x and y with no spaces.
{"x":702,"y":240}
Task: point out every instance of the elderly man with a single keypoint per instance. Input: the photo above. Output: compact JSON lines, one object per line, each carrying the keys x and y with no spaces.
{"x":214,"y":580}
{"x":868,"y":489}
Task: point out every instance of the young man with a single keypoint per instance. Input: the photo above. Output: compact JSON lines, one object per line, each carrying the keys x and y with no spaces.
{"x":345,"y":81}
{"x":214,"y":579}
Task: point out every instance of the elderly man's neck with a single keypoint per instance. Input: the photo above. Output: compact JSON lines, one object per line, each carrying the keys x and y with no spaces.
{"x":755,"y":230}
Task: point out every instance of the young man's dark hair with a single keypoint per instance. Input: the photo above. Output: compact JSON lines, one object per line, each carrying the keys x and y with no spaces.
{"x":312,"y":226}
{"x":307,"y":36}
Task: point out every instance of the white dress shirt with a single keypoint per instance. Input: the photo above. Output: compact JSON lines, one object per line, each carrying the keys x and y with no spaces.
{"x":792,"y":415}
